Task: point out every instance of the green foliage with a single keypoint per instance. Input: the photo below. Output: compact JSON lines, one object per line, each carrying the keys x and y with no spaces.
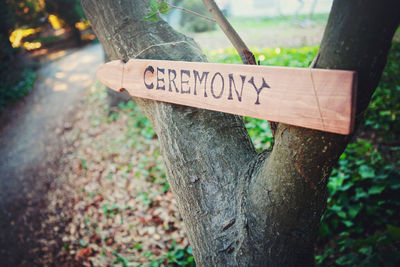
{"x":243,"y":23}
{"x":195,"y":23}
{"x":362,"y":216}
{"x":157,"y":7}
{"x":385,"y":105}
{"x":110,"y":210}
{"x":120,"y":259}
{"x":289,"y":57}
{"x":68,"y":10}
{"x":363,"y":202}
{"x":140,"y":133}
{"x":176,"y":256}
{"x":179,"y":256}
{"x":139,"y":124}
{"x":15,"y":82}
{"x":27,"y":13}
{"x":260,"y":133}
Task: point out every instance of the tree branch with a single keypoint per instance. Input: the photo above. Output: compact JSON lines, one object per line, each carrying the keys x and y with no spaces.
{"x":190,"y":11}
{"x":227,"y":28}
{"x":235,"y":39}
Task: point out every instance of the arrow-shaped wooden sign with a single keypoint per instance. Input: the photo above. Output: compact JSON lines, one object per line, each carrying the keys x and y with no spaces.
{"x":312,"y":98}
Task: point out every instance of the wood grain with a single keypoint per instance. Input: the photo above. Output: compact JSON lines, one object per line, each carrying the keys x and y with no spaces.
{"x":312,"y":98}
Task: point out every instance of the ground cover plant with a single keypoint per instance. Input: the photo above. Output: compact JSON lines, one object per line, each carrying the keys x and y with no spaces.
{"x":16,"y":81}
{"x":361,"y":226}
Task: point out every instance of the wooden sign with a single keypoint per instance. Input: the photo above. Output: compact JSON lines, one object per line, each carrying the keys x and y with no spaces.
{"x":312,"y":98}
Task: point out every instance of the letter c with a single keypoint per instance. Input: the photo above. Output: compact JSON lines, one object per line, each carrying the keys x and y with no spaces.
{"x":151,"y":69}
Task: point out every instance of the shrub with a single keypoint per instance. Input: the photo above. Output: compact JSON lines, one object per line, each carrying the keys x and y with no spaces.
{"x":15,"y":82}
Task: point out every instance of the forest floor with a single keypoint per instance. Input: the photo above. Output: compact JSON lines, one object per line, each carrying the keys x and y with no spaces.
{"x":84,"y":185}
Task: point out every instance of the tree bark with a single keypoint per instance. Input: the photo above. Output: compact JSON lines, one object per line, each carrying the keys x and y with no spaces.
{"x":241,"y":208}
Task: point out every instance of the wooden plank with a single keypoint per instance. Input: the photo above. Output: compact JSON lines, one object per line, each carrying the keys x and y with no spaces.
{"x":312,"y":98}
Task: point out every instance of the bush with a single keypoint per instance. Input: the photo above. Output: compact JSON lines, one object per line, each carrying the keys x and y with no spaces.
{"x":385,"y":105}
{"x":15,"y":82}
{"x":361,"y":224}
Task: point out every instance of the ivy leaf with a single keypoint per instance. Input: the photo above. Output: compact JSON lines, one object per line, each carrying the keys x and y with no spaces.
{"x":163,"y":7}
{"x":347,"y":259}
{"x":154,"y":5}
{"x":366,"y":172}
{"x":354,"y":210}
{"x":348,"y":223}
{"x":154,"y":18}
{"x":151,"y":16}
{"x":376,"y":189}
{"x":366,"y":250}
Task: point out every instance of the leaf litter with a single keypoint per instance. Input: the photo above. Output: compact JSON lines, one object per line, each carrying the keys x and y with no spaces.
{"x":110,"y":205}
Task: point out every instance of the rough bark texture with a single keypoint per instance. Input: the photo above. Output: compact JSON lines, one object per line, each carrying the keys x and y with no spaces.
{"x":241,"y":208}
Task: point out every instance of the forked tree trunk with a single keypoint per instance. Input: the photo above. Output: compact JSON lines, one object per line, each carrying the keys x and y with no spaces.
{"x":240,"y":207}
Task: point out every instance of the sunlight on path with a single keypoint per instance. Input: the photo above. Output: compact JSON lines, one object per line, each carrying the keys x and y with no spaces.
{"x":29,"y":143}
{"x":30,"y":134}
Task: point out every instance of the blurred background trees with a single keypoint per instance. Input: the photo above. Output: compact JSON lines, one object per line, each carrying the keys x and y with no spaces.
{"x":6,"y":22}
{"x":70,"y":11}
{"x":29,"y":25}
{"x":195,"y":23}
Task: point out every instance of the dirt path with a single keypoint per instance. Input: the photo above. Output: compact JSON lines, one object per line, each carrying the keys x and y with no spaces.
{"x":29,"y":145}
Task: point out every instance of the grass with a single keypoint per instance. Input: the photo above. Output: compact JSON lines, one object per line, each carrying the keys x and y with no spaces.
{"x":240,"y":23}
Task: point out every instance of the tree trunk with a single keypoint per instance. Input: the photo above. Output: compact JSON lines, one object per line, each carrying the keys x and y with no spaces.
{"x":241,"y":208}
